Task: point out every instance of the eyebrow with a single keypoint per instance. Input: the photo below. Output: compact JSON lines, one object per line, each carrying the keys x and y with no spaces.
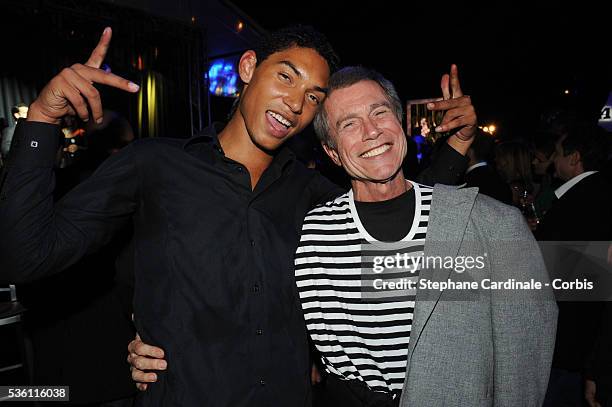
{"x":299,"y":75}
{"x":373,"y":106}
{"x":345,"y":118}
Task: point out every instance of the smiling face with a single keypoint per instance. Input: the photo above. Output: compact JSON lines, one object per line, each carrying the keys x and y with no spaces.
{"x":282,"y":94}
{"x":368,"y":137}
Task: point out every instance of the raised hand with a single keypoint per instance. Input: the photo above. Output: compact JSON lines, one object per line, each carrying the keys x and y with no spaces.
{"x":460,"y":115}
{"x":71,"y":92}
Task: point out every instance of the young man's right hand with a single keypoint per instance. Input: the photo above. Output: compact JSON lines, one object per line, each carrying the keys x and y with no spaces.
{"x":71,"y":92}
{"x":143,"y":358}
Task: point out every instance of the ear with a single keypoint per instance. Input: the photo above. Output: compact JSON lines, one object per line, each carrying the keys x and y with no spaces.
{"x":333,"y":154}
{"x":247,"y":65}
{"x":575,"y":158}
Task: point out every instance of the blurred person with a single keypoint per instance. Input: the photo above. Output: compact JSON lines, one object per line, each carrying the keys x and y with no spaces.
{"x":216,"y":220}
{"x":424,"y":127}
{"x":19,"y":112}
{"x":424,"y":143}
{"x":414,"y":349}
{"x":74,"y":142}
{"x":543,"y":150}
{"x":582,"y":212}
{"x":513,"y":164}
{"x":482,"y":175}
{"x":577,"y":161}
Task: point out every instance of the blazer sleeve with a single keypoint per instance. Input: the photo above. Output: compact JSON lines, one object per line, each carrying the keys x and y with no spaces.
{"x":523,"y":322}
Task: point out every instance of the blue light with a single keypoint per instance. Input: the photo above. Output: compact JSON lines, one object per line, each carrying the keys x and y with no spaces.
{"x":222,"y":78}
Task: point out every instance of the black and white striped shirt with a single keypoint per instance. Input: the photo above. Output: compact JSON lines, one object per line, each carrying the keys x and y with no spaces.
{"x":360,"y":334}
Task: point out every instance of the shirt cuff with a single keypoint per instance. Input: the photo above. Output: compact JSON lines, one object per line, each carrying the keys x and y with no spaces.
{"x":35,"y":145}
{"x":455,"y":162}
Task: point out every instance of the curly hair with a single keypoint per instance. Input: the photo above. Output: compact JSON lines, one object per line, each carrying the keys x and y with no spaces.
{"x":303,"y":36}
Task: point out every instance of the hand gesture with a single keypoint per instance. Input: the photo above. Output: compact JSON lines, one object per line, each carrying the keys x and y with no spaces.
{"x":460,"y":114}
{"x":71,"y":92}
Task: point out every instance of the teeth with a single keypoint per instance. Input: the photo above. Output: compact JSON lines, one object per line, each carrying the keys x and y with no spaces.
{"x":376,"y":151}
{"x":280,"y":119}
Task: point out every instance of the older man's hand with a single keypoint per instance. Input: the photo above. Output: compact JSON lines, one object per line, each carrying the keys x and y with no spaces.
{"x":460,"y":115}
{"x":143,"y":358}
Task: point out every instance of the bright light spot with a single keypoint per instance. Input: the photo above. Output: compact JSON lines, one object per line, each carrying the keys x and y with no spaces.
{"x":223,"y":79}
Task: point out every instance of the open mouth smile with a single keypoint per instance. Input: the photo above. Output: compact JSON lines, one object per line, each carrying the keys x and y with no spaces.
{"x":280,"y":119}
{"x":376,"y":151}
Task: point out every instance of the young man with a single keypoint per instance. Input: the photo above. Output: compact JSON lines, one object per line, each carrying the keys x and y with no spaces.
{"x":216,"y":222}
{"x":437,"y":347}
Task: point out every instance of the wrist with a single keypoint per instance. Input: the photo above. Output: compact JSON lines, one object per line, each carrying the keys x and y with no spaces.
{"x":35,"y":114}
{"x":460,"y":145}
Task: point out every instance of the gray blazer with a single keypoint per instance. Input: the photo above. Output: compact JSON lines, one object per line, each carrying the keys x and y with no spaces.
{"x":493,"y":347}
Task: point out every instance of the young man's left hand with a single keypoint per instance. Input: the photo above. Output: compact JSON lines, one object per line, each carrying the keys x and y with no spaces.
{"x":460,"y":115}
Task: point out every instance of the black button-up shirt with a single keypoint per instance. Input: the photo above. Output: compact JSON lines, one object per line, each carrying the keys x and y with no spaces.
{"x":213,"y":259}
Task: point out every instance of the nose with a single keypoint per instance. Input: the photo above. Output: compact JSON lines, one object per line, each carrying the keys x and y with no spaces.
{"x":294,"y":100}
{"x":371,"y":130}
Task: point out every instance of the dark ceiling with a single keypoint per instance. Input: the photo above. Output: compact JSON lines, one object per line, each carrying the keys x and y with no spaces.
{"x":516,"y":61}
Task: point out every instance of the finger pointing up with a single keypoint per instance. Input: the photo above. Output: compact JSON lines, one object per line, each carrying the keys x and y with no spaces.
{"x":454,"y":82}
{"x":99,"y":53}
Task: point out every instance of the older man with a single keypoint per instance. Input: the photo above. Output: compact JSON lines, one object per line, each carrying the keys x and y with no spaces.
{"x":384,"y":326}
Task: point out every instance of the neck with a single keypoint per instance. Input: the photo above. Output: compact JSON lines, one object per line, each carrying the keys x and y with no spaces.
{"x":577,"y":171}
{"x":238,"y":146}
{"x":368,"y":191}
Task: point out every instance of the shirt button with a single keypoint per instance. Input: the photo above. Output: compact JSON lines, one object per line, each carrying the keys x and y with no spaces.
{"x":252,"y":243}
{"x":262,"y":382}
{"x":256,"y":288}
{"x":259,"y":332}
{"x":239,"y":169}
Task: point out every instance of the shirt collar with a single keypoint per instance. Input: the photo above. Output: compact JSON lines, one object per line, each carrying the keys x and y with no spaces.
{"x":559,"y":192}
{"x":207,"y":138}
{"x":471,"y":167}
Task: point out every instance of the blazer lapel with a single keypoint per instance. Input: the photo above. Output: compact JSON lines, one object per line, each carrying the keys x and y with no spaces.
{"x":448,"y":218}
